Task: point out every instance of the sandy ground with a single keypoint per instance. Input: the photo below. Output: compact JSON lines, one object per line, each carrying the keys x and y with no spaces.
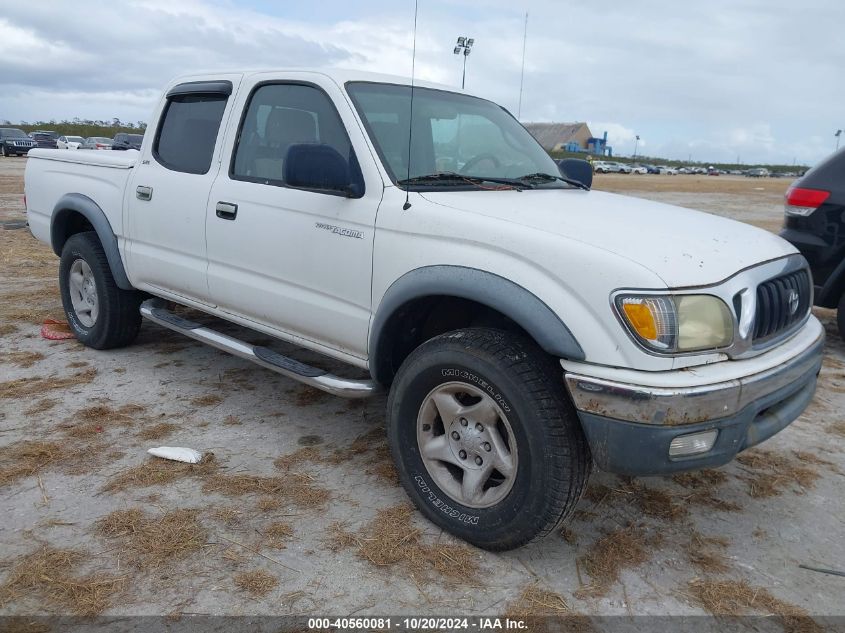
{"x":298,"y":510}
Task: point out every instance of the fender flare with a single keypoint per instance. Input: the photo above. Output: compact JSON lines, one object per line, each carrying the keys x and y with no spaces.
{"x":515,"y":302}
{"x":71,"y":203}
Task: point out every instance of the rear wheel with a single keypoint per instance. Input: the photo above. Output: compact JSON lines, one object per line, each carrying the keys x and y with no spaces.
{"x":487,"y":444}
{"x":100,"y":314}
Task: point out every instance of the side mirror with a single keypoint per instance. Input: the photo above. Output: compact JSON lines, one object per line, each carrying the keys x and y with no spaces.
{"x":576,"y":169}
{"x":321,"y":167}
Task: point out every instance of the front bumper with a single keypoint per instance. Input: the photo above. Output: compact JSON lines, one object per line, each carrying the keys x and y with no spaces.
{"x":630,"y":426}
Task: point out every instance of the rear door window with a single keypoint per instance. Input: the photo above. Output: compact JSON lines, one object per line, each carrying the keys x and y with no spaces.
{"x":188,"y":132}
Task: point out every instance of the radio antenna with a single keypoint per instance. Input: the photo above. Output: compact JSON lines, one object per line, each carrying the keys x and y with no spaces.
{"x":407,"y":204}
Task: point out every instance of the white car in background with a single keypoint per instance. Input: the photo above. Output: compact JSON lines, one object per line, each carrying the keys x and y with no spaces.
{"x":668,"y":170}
{"x":69,"y":142}
{"x":638,"y":169}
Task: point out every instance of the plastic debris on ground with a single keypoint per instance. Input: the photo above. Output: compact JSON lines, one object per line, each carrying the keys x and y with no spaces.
{"x":177,"y":454}
{"x":56,"y":330}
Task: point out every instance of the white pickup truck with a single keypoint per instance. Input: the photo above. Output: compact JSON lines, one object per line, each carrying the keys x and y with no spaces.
{"x":525,"y":327}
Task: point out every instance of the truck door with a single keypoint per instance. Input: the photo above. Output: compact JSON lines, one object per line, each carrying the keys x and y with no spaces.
{"x":294,"y":257}
{"x":168,"y":193}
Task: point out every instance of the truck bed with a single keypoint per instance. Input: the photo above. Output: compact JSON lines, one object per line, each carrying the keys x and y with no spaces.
{"x":99,"y":175}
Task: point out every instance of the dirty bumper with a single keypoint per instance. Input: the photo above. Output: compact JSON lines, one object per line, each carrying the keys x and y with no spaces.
{"x":641,"y":430}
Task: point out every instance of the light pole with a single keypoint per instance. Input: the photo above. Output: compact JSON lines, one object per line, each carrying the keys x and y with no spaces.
{"x":464,"y":47}
{"x":636,"y":142}
{"x":837,"y":135}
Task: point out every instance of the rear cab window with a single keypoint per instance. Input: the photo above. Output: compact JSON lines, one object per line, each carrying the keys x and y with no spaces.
{"x":189,"y":126}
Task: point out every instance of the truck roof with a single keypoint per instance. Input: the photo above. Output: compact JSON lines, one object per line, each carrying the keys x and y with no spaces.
{"x":339,"y":75}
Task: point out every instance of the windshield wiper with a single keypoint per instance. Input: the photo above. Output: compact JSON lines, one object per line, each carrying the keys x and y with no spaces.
{"x":543,"y":177}
{"x":447,"y":177}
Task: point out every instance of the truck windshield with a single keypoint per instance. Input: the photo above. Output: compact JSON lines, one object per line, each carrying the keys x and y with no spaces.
{"x":453,"y":134}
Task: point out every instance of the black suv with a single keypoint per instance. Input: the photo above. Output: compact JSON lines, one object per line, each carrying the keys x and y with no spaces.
{"x":815,"y":225}
{"x":127,"y":141}
{"x":14,"y":142}
{"x":44,"y":140}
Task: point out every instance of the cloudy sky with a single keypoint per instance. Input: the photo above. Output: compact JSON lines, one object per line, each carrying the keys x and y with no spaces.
{"x":762,"y":80}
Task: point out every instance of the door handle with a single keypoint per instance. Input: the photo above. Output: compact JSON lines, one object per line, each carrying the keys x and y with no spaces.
{"x":226,"y":210}
{"x":143,"y":193}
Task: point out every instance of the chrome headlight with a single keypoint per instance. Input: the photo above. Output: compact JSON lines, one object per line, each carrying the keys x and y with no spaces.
{"x":676,"y":323}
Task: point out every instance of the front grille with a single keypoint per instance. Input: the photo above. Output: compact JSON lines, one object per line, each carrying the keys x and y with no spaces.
{"x":778,"y":308}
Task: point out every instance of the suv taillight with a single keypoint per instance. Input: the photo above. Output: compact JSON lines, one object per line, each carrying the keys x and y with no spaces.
{"x":801,"y":201}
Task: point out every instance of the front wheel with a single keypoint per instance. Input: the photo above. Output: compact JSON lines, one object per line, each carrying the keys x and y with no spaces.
{"x":487,"y":443}
{"x":100,"y":314}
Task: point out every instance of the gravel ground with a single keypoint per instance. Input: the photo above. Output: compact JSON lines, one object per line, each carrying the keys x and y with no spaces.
{"x":298,"y":510}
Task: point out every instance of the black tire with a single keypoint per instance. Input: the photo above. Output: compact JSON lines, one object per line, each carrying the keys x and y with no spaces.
{"x":552,"y":455}
{"x":840,"y":316}
{"x":119,"y":319}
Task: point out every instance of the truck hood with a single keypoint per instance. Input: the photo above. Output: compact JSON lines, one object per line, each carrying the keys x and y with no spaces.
{"x":681,"y":246}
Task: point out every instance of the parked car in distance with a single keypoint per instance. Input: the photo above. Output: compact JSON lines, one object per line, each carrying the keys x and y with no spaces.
{"x":14,"y":142}
{"x":814,"y":222}
{"x":622,"y":168}
{"x":758,"y":172}
{"x":124,"y":141}
{"x":639,"y":169}
{"x":652,"y":169}
{"x":69,"y":142}
{"x":604,"y":329}
{"x":712,"y":171}
{"x":671,"y":171}
{"x":44,"y":140}
{"x":604,"y":167}
{"x":96,"y":142}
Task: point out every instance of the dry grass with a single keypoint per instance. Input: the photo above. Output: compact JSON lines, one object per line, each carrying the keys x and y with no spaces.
{"x":257,"y":583}
{"x":738,"y":597}
{"x":21,"y":252}
{"x":35,"y":386}
{"x":156,"y":431}
{"x":298,"y":457}
{"x":23,"y":359}
{"x":278,"y":534}
{"x":544,"y":610}
{"x":707,"y":552}
{"x":230,"y":517}
{"x":649,"y":501}
{"x":42,"y":406}
{"x":626,"y":547}
{"x":153,"y":541}
{"x":8,"y":328}
{"x":838,"y":428}
{"x":268,"y":504}
{"x":535,"y":601}
{"x":30,"y":457}
{"x":32,"y":305}
{"x":208,"y":400}
{"x":701,"y":487}
{"x":772,"y":473}
{"x":390,"y":540}
{"x":306,"y":396}
{"x":156,"y":472}
{"x":371,"y":440}
{"x":90,"y":421}
{"x":49,"y":575}
{"x":231,"y":420}
{"x":293,"y":488}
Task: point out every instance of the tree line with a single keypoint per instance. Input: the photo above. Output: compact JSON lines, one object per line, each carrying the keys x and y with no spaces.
{"x":81,"y":127}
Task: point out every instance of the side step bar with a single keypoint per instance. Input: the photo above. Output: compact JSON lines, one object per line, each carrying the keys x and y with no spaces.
{"x":153,"y":310}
